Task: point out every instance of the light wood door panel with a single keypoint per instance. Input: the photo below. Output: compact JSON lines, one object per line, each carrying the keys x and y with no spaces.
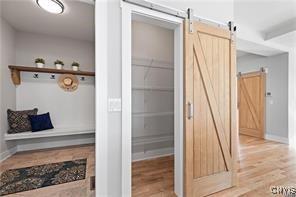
{"x":252,"y":104}
{"x":210,"y":86}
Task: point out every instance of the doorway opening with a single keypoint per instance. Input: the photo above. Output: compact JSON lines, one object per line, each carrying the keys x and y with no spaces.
{"x":251,"y":102}
{"x":227,"y":173}
{"x":263,"y":94}
{"x":152,"y":100}
{"x":152,"y":107}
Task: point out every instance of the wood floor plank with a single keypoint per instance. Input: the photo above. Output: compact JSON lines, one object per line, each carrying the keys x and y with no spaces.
{"x":154,"y":177}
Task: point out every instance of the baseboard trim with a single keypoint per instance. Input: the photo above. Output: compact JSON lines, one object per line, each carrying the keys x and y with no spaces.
{"x":20,"y":147}
{"x":276,"y":138}
{"x":8,"y":153}
{"x":151,"y":154}
{"x":145,"y":140}
{"x":56,"y":144}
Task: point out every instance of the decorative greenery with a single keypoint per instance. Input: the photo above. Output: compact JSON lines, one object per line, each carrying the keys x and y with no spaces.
{"x":59,"y":62}
{"x":39,"y":60}
{"x":75,"y":64}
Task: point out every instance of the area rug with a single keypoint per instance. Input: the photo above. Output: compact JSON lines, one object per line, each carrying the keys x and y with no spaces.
{"x":24,"y":179}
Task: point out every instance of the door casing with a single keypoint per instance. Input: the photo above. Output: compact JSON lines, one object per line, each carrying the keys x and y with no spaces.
{"x":128,"y":10}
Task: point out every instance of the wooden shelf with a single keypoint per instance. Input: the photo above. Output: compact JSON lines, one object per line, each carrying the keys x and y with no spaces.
{"x":16,"y":77}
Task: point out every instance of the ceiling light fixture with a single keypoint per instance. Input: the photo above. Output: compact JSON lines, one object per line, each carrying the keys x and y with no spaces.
{"x":52,"y":6}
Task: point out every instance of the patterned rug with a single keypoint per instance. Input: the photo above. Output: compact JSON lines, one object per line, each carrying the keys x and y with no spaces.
{"x":24,"y":179}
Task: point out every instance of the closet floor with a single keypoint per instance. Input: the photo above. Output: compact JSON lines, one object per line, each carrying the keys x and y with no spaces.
{"x":154,"y":177}
{"x":79,"y":188}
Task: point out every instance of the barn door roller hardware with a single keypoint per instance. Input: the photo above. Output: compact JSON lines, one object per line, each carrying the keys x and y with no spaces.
{"x":263,"y":70}
{"x":232,"y":29}
{"x":175,"y":12}
{"x":190,"y":19}
{"x":231,"y":26}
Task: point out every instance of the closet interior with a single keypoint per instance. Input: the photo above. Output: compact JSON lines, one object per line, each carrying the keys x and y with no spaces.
{"x":152,"y":106}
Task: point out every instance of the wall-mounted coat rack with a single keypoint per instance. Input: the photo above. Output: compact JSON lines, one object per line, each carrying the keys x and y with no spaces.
{"x":16,"y":70}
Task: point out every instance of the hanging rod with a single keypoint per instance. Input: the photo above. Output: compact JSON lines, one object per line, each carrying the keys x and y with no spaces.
{"x":175,"y":12}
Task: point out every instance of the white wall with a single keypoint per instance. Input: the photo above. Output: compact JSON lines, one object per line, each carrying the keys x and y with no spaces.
{"x":30,"y":46}
{"x":277,"y":84}
{"x":292,"y":97}
{"x":7,"y":98}
{"x":112,"y":24}
{"x":250,"y":35}
{"x":152,"y":135}
{"x":67,"y":109}
{"x":152,"y":42}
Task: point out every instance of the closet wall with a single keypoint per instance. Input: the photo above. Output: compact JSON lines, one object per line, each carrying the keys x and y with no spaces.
{"x":152,"y":91}
{"x":7,"y":93}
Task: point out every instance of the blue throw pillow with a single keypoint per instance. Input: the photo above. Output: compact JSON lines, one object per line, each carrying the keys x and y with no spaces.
{"x":40,"y":122}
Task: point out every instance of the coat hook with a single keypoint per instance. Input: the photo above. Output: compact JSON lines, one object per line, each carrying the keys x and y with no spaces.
{"x":82,"y":78}
{"x":36,"y":76}
{"x":52,"y":77}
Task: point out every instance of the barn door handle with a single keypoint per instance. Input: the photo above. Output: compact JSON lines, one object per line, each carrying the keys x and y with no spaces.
{"x":190,"y":110}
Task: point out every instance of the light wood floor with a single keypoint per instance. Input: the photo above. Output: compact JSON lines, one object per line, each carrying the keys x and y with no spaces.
{"x":153,"y":177}
{"x":261,"y":164}
{"x":73,"y":189}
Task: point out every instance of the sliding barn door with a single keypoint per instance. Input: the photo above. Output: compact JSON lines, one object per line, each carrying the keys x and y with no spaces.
{"x":251,"y":93}
{"x":210,"y":133}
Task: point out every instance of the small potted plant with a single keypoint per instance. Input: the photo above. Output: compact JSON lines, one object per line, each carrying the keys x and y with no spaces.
{"x":59,"y":64}
{"x":39,"y":62}
{"x":75,"y":66}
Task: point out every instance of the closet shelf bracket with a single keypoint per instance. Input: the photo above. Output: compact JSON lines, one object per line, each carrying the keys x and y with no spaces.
{"x":15,"y":76}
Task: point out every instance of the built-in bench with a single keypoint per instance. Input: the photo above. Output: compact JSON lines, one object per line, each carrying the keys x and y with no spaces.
{"x":52,"y":138}
{"x":49,"y":133}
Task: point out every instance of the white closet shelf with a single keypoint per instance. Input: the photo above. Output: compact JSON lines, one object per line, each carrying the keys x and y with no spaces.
{"x":145,"y":140}
{"x":152,"y":63}
{"x":48,"y":133}
{"x":154,"y":66}
{"x":151,"y":88}
{"x":152,"y":114}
